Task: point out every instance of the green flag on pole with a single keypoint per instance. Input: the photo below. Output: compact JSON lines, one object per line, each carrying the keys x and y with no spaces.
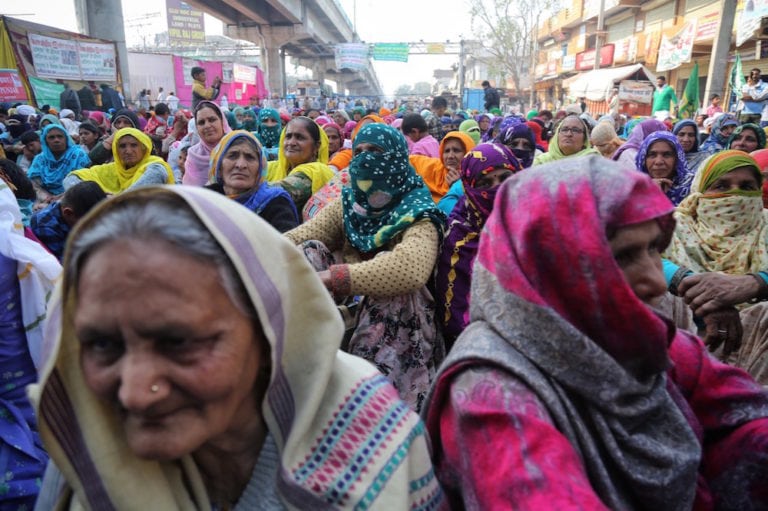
{"x":690,"y":102}
{"x":737,"y":81}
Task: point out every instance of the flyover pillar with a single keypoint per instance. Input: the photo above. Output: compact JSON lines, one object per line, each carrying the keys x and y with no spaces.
{"x":104,"y":19}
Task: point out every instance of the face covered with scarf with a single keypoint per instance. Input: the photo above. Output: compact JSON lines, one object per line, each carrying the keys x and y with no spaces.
{"x":386,"y":195}
{"x":483,"y":169}
{"x":269,"y":127}
{"x":519,"y":138}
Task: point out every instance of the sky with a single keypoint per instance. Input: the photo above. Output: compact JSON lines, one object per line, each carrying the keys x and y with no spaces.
{"x":376,"y":21}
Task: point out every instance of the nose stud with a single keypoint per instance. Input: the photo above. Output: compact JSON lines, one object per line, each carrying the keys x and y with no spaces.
{"x":154,"y":388}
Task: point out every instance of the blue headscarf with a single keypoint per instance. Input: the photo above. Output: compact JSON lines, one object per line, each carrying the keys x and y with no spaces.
{"x":717,"y":141}
{"x":51,"y":170}
{"x":269,"y":136}
{"x":681,"y":183}
{"x":260,"y":196}
{"x":393,"y":197}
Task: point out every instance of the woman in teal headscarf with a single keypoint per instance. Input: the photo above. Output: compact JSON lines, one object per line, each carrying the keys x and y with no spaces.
{"x":231,"y":119}
{"x":388,"y":231}
{"x":268,"y":131}
{"x":59,"y":157}
{"x":249,"y":120}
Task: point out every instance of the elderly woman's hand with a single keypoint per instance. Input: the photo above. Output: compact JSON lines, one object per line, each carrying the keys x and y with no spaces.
{"x":706,"y":293}
{"x":723,"y":326}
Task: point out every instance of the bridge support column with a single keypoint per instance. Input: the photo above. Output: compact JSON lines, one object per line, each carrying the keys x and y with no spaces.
{"x":104,"y":19}
{"x":271,"y":40}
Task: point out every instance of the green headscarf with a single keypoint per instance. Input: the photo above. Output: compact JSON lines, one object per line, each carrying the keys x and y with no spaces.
{"x":554,"y":153}
{"x":531,"y":114}
{"x":385,"y":195}
{"x":721,"y":163}
{"x":471,"y":128}
{"x":249,"y":120}
{"x":759,"y":133}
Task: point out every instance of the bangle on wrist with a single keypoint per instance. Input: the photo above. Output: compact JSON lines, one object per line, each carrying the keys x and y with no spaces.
{"x":677,"y":278}
{"x":762,"y":291}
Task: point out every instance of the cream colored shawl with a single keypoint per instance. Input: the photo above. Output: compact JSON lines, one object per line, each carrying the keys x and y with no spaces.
{"x":345,"y":439}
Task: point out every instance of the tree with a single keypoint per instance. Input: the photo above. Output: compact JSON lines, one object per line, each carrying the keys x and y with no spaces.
{"x":507,"y":30}
{"x":403,"y":90}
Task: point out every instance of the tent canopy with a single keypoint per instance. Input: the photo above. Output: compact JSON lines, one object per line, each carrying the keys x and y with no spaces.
{"x":596,"y":85}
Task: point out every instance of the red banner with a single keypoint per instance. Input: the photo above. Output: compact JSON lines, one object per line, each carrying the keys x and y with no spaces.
{"x":11,"y":87}
{"x":586,"y":59}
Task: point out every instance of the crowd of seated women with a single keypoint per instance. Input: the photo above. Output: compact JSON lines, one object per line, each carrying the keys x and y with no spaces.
{"x":277,"y":311}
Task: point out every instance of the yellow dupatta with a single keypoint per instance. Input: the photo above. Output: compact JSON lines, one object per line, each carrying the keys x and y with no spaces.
{"x":317,"y":171}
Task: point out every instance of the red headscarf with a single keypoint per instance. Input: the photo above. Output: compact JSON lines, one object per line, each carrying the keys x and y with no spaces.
{"x":578,"y":204}
{"x":536,"y":129}
{"x":761,"y":157}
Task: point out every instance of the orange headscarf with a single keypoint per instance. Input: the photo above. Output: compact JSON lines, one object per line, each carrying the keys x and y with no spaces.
{"x":342,"y":157}
{"x":434,"y":171}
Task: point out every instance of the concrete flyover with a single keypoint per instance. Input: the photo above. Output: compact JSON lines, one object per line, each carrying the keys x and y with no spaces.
{"x":303,"y":29}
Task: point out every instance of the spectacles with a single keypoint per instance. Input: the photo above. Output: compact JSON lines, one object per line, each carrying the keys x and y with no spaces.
{"x":575,"y":131}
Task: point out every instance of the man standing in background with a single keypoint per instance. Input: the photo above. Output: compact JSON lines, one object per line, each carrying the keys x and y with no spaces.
{"x":754,"y":95}
{"x":492,"y":99}
{"x":663,"y":99}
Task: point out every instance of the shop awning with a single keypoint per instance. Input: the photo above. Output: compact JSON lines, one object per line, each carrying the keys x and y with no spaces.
{"x":596,"y":85}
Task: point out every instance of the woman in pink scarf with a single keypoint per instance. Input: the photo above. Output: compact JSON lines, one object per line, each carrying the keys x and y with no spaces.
{"x":211,"y":125}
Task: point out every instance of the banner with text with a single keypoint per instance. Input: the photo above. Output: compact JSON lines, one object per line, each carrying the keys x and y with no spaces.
{"x":675,"y":51}
{"x":352,"y":56}
{"x":75,"y":60}
{"x":186,"y":24}
{"x":637,"y":91}
{"x":395,"y":52}
{"x":749,"y":19}
{"x":11,"y":87}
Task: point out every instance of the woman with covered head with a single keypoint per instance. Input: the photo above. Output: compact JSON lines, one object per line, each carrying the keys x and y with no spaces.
{"x":231,"y":393}
{"x":133,"y":165}
{"x":571,"y":139}
{"x":687,"y":133}
{"x":568,"y":389}
{"x":211,"y":125}
{"x":388,"y":231}
{"x":661,"y":156}
{"x":483,"y":170}
{"x":605,"y":139}
{"x":720,"y":258}
{"x":268,"y":128}
{"x":302,"y":163}
{"x":123,"y":118}
{"x":747,"y":138}
{"x":239,"y":169}
{"x":627,"y":153}
{"x":719,"y":133}
{"x":441,"y":173}
{"x":59,"y":157}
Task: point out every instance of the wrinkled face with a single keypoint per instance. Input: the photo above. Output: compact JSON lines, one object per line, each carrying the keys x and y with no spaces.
{"x":636,"y":249}
{"x":334,"y":140}
{"x":57,"y":141}
{"x":660,"y":160}
{"x":180,"y":377}
{"x":453,"y":152}
{"x":687,"y":138}
{"x":740,"y":178}
{"x":299,"y":147}
{"x":88,"y":137}
{"x":240,"y":168}
{"x":492,"y":179}
{"x":571,"y":136}
{"x":130,"y":151}
{"x":209,"y":126}
{"x":745,"y":141}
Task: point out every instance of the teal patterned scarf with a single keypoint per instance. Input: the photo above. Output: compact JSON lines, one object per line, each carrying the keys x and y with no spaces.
{"x":386,"y":195}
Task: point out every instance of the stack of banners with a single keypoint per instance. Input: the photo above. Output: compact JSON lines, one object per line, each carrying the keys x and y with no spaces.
{"x":353,"y":56}
{"x":73,"y":60}
{"x":394,"y":52}
{"x":675,"y":51}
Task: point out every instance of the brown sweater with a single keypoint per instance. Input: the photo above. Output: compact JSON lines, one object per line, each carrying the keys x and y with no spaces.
{"x":402,"y":267}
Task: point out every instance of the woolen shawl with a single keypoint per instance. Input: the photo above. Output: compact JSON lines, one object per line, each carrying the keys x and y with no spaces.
{"x":571,"y":328}
{"x":344,"y":438}
{"x":114,"y":177}
{"x":198,"y":162}
{"x":52,"y":170}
